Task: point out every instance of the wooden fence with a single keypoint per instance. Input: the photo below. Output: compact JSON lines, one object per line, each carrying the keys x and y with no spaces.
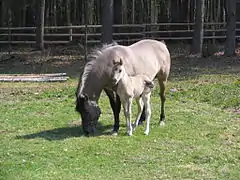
{"x":122,"y":33}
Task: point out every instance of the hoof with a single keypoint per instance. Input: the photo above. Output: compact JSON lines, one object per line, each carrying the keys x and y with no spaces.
{"x":129,"y":134}
{"x":146,"y":133}
{"x":134,"y":127}
{"x":140,"y":123}
{"x":162,"y":123}
{"x":114,"y":133}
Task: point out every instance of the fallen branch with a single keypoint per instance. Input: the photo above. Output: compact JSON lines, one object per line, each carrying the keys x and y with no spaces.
{"x":33,"y":77}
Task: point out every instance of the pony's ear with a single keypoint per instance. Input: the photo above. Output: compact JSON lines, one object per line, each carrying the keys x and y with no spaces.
{"x":121,"y":62}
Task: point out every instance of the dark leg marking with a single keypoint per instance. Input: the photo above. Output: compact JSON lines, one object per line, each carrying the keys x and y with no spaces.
{"x":162,"y":85}
{"x":116,"y":107}
{"x":143,"y":116}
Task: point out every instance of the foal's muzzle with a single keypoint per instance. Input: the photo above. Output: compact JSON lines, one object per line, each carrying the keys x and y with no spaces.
{"x":114,"y":81}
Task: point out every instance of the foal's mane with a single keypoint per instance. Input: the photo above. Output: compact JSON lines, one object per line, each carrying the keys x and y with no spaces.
{"x":92,"y":58}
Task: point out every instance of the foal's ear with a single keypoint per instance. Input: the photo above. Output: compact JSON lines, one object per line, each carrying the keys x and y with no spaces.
{"x":121,"y":62}
{"x":114,"y":62}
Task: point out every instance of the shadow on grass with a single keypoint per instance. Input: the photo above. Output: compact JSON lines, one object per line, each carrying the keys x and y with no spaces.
{"x":64,"y":133}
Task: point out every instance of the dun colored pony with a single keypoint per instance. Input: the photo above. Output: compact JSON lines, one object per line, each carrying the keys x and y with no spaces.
{"x":130,"y":87}
{"x":148,"y":57}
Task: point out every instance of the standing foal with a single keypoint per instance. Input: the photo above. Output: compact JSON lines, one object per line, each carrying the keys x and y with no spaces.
{"x":133,"y":87}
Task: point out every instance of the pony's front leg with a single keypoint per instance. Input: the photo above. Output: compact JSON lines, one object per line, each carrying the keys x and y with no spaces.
{"x":116,"y":107}
{"x":148,"y":112}
{"x":127,"y":112}
{"x":140,"y":110}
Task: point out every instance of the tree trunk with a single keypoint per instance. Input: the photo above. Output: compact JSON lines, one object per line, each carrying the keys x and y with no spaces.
{"x":91,"y":11}
{"x":198,"y":28}
{"x":40,"y":25}
{"x":142,"y":13}
{"x":117,"y":12}
{"x":74,"y":10}
{"x":24,"y":13}
{"x":133,"y":11}
{"x":86,"y":28}
{"x":231,"y":28}
{"x":124,"y":12}
{"x":153,"y":10}
{"x":107,"y":21}
{"x":98,"y":11}
{"x":55,"y":13}
{"x":68,"y":12}
{"x":3,"y":7}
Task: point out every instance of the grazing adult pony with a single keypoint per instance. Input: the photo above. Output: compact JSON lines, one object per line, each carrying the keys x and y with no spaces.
{"x":149,"y":57}
{"x":133,"y":87}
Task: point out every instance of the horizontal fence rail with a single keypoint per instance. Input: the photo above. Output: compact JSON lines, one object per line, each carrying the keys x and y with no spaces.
{"x":122,"y":33}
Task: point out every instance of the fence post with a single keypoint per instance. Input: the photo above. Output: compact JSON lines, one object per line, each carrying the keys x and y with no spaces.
{"x":70,"y":32}
{"x":214,"y":34}
{"x":9,"y":32}
{"x":144,"y":30}
{"x":9,"y":40}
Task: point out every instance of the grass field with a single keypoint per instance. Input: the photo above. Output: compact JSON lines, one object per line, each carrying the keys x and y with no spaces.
{"x":40,"y":138}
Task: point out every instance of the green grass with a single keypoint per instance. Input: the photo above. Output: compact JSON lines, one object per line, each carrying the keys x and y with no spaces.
{"x":201,"y":139}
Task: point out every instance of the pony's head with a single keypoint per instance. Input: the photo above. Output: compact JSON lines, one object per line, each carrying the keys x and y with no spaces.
{"x":117,"y":71}
{"x":89,"y":111}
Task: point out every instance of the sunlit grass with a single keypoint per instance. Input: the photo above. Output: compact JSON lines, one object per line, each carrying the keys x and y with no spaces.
{"x":201,"y":139}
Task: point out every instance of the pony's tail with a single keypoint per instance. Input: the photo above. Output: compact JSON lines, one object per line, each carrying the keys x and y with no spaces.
{"x":163,"y":42}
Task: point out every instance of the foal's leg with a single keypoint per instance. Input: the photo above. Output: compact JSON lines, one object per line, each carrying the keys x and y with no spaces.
{"x":162,"y":85}
{"x":127,"y":112}
{"x":116,"y":107}
{"x":148,"y":112}
{"x":140,"y":110}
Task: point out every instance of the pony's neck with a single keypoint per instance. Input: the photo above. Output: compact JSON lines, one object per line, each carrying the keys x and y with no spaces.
{"x":92,"y":87}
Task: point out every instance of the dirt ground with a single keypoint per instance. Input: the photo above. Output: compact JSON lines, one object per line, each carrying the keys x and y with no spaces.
{"x":71,"y":61}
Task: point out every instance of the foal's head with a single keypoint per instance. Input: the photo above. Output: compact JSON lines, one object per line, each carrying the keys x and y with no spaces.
{"x":118,"y":71}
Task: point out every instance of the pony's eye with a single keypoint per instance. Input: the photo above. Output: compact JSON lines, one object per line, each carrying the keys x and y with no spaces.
{"x":120,"y":70}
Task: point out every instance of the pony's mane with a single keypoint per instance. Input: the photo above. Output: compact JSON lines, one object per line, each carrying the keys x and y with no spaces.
{"x":92,"y":57}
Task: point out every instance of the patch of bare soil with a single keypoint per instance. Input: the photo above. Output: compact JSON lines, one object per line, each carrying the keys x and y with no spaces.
{"x":50,"y":61}
{"x":234,"y":110}
{"x":185,"y":65}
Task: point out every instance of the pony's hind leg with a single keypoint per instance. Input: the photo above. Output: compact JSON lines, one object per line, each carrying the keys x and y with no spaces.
{"x":162,"y":85}
{"x":148,"y":112}
{"x":143,"y":117}
{"x":140,"y":105}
